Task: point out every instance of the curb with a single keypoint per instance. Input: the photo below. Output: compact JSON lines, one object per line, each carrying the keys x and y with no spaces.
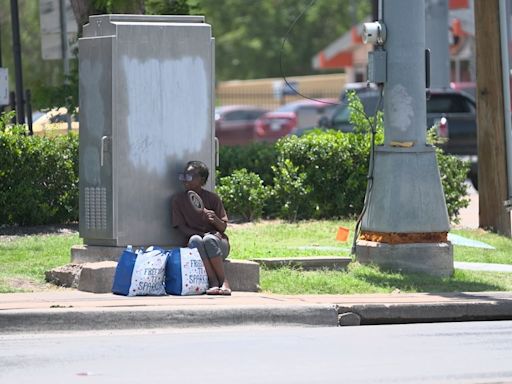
{"x":67,"y":319}
{"x":373,"y":314}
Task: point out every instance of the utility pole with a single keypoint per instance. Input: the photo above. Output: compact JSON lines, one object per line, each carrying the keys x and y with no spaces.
{"x":0,"y":43}
{"x":492,"y":169}
{"x":16,"y":44}
{"x":437,"y":32}
{"x":405,"y":224}
{"x":375,"y":9}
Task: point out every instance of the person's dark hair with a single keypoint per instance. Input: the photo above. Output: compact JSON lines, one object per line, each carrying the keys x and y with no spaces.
{"x":201,"y":168}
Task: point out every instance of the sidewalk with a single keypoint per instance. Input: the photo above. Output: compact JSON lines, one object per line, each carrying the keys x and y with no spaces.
{"x":75,"y":310}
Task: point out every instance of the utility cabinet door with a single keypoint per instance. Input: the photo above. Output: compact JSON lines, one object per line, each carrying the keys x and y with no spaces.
{"x":163,"y":113}
{"x":96,"y":205}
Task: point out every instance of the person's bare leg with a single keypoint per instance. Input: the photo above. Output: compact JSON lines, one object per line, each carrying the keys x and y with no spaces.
{"x":212,"y":245}
{"x":218,"y":266}
{"x":197,"y":241}
{"x":213,"y":281}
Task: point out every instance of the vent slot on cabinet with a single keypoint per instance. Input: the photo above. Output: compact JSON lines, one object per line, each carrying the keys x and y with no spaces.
{"x":96,"y":208}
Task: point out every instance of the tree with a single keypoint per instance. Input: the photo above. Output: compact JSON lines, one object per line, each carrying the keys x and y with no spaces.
{"x":249,"y":34}
{"x":249,"y":37}
{"x":36,"y":72}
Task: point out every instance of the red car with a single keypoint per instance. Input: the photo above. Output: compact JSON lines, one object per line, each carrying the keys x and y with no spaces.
{"x":293,"y":118}
{"x":234,"y":124}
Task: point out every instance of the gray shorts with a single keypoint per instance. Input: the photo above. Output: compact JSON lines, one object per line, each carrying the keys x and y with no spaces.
{"x":210,"y":246}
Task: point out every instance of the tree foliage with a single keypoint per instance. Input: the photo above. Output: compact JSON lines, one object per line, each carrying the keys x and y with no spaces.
{"x":249,"y":34}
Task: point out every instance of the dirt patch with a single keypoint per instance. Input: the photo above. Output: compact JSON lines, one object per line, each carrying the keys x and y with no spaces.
{"x":28,"y":285}
{"x":404,"y":238}
{"x":9,"y":233}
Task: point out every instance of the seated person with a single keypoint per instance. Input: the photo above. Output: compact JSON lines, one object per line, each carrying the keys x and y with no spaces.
{"x":204,"y":226}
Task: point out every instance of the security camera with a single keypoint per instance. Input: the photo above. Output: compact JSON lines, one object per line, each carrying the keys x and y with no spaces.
{"x":374,"y":33}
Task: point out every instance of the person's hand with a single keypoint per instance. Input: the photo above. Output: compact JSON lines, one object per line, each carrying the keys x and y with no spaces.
{"x":210,"y":215}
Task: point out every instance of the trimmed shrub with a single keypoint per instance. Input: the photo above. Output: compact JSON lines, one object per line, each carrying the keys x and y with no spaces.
{"x":324,"y":173}
{"x":38,"y":178}
{"x":255,"y":157}
{"x":453,"y":172}
{"x":243,"y":194}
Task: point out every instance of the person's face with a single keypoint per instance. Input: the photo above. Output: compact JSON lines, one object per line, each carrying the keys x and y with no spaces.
{"x":191,"y":179}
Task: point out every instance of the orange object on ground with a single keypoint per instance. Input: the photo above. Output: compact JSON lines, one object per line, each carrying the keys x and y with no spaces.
{"x":342,"y":234}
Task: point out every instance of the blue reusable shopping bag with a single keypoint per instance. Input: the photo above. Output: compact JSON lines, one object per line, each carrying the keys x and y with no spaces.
{"x":173,"y":272}
{"x":185,"y":273}
{"x":124,"y":271}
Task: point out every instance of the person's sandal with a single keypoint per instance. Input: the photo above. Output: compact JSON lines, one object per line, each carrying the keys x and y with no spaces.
{"x":225,"y":291}
{"x":214,"y":291}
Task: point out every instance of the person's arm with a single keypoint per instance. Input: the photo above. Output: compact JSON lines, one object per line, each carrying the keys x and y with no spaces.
{"x":178,"y":220}
{"x":187,"y":230}
{"x":219,"y":224}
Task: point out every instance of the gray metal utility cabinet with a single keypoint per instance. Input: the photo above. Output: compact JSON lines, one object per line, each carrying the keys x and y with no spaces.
{"x":146,"y":108}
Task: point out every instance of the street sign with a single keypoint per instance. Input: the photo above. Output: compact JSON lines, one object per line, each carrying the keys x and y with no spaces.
{"x":51,"y":29}
{"x":4,"y":87}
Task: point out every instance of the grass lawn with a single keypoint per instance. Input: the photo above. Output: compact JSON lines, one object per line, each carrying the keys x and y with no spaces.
{"x":24,"y":259}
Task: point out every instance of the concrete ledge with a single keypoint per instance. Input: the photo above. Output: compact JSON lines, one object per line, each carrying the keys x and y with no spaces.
{"x":432,"y":258}
{"x":242,"y":275}
{"x":97,"y":277}
{"x":307,"y":263}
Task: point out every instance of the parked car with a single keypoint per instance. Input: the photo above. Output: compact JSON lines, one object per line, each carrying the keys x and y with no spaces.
{"x":54,"y":122}
{"x":358,"y":88}
{"x":466,"y":86}
{"x":235,"y":124}
{"x":453,"y":111}
{"x":293,"y":118}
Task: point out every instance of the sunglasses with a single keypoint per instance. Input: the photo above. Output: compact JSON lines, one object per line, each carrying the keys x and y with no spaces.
{"x":187,"y":176}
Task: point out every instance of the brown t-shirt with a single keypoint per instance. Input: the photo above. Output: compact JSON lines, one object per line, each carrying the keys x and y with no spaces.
{"x":184,"y":213}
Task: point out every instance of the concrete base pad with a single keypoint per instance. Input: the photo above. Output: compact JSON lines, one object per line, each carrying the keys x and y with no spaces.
{"x":431,"y":258}
{"x":100,"y":263}
{"x":332,"y":263}
{"x":93,"y":253}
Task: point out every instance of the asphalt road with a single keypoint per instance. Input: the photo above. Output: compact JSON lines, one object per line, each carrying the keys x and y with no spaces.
{"x":472,"y":352}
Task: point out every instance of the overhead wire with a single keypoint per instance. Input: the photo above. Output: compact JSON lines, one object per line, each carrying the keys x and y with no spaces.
{"x":372,"y":124}
{"x":371,"y":166}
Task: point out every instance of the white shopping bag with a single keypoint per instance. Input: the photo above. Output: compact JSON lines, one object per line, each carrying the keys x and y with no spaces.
{"x":148,"y":276}
{"x":185,"y":273}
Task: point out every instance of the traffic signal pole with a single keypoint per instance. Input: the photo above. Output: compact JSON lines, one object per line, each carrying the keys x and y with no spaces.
{"x":437,"y":36}
{"x":405,"y":224}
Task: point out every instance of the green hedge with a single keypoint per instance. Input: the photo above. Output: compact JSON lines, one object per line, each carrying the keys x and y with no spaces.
{"x":38,"y":178}
{"x":256,"y":158}
{"x":320,"y":175}
{"x":323,"y":174}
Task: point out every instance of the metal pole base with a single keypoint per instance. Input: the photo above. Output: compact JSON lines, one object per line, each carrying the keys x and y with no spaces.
{"x":407,"y":195}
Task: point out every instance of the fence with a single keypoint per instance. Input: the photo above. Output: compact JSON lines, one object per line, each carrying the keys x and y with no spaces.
{"x":271,"y":93}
